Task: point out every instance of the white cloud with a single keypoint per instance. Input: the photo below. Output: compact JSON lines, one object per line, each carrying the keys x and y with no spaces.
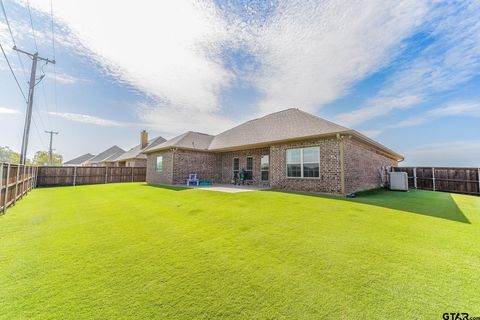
{"x":469,"y":108}
{"x":452,"y":59}
{"x":378,"y":107}
{"x":64,"y":78}
{"x":176,"y":121}
{"x":371,"y":133}
{"x":452,"y":153}
{"x":456,"y":109}
{"x":8,"y":111}
{"x":309,"y":53}
{"x":85,"y":118}
{"x":167,"y":49}
{"x":313,"y":52}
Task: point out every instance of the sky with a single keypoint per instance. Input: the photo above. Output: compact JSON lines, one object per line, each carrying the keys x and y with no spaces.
{"x":405,"y":73}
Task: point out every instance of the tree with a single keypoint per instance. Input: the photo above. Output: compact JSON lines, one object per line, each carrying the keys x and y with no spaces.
{"x":42,"y":158}
{"x":8,"y":155}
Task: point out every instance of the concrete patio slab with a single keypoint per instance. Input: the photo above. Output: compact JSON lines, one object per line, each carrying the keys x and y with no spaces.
{"x":230,"y":188}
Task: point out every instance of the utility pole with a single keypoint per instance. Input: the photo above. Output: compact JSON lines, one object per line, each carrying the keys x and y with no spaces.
{"x":28,"y":116}
{"x":50,"y":150}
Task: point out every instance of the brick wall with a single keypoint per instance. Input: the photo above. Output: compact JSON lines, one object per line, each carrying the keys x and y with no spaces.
{"x":329,"y":180}
{"x":363,"y":165}
{"x":227,"y":163}
{"x":205,"y":164}
{"x":164,"y":177}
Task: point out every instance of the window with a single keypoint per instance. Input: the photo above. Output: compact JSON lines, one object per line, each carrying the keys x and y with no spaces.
{"x":303,"y":162}
{"x":264,"y":166}
{"x":236,"y":167}
{"x":249,"y":170}
{"x":159,"y":166}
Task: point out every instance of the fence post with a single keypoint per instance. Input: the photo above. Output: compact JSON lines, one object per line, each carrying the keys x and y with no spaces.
{"x":106,"y":174}
{"x":16,"y":184}
{"x":132,"y":173}
{"x":23,"y":180}
{"x":74,"y":175}
{"x":30,"y":178}
{"x":35,"y":177}
{"x":433,"y":178}
{"x":1,"y":185}
{"x":5,"y":201}
{"x":415,"y":177}
{"x":478,"y":181}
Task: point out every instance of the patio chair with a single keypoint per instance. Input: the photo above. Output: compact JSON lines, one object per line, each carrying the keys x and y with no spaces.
{"x":192,"y":178}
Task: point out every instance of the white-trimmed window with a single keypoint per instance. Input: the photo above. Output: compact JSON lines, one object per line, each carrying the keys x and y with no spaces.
{"x":236,"y":167}
{"x":249,"y":169}
{"x":159,"y":164}
{"x":303,"y":162}
{"x":264,"y":167}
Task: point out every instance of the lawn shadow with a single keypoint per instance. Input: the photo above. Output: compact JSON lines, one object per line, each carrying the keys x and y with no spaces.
{"x":166,"y":187}
{"x":429,"y":203}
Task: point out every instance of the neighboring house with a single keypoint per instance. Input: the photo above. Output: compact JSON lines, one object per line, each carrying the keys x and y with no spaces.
{"x":134,"y":157}
{"x":79,"y":161}
{"x":106,"y":158}
{"x":290,"y":149}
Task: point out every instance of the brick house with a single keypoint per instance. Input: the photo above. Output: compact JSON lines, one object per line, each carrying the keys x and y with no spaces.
{"x":134,"y":157}
{"x":105,"y":158}
{"x":290,"y":150}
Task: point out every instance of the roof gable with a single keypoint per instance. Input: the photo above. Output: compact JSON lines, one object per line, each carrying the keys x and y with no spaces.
{"x":188,"y":140}
{"x":283,"y":125}
{"x":108,"y":155}
{"x":136,"y":152}
{"x":79,"y":160}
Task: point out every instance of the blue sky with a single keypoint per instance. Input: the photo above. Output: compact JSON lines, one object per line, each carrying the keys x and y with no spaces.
{"x":405,"y":73}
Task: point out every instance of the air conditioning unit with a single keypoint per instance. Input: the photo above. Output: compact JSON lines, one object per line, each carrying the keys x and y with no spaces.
{"x":398,"y":181}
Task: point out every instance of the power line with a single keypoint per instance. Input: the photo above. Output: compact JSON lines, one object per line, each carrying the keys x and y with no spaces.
{"x":54,"y":66}
{"x":13,"y":39}
{"x":38,"y":134}
{"x":31,"y":24}
{"x":13,"y":73}
{"x":33,"y":82}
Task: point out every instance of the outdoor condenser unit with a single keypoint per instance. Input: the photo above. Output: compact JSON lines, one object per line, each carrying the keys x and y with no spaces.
{"x":398,"y":181}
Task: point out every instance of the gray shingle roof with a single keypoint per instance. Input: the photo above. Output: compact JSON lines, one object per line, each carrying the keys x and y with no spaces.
{"x":283,"y":125}
{"x":136,"y":152}
{"x":188,"y":140}
{"x":108,"y":155}
{"x":290,"y":124}
{"x":79,"y":160}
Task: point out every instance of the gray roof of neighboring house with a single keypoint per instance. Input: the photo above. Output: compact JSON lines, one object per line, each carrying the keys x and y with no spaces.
{"x":136,"y":152}
{"x":108,"y":155}
{"x":286,"y":125}
{"x":79,"y":160}
{"x":283,"y":125}
{"x":188,"y":140}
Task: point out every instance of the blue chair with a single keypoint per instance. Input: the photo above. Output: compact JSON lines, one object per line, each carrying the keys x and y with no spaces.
{"x":192,"y":178}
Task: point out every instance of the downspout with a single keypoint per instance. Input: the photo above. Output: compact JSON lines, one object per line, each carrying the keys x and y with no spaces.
{"x":342,"y":164}
{"x":173,"y":159}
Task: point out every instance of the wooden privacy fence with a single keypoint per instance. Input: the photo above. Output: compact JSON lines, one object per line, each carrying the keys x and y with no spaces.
{"x":72,"y":176}
{"x":15,"y":182}
{"x":456,"y":180}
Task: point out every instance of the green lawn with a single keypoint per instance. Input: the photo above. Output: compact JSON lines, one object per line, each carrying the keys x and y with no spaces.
{"x":137,"y":251}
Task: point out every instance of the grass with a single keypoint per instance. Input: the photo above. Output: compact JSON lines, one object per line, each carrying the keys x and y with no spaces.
{"x":135,"y":251}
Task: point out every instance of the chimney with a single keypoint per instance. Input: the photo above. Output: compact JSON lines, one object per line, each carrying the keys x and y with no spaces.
{"x":143,"y":139}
